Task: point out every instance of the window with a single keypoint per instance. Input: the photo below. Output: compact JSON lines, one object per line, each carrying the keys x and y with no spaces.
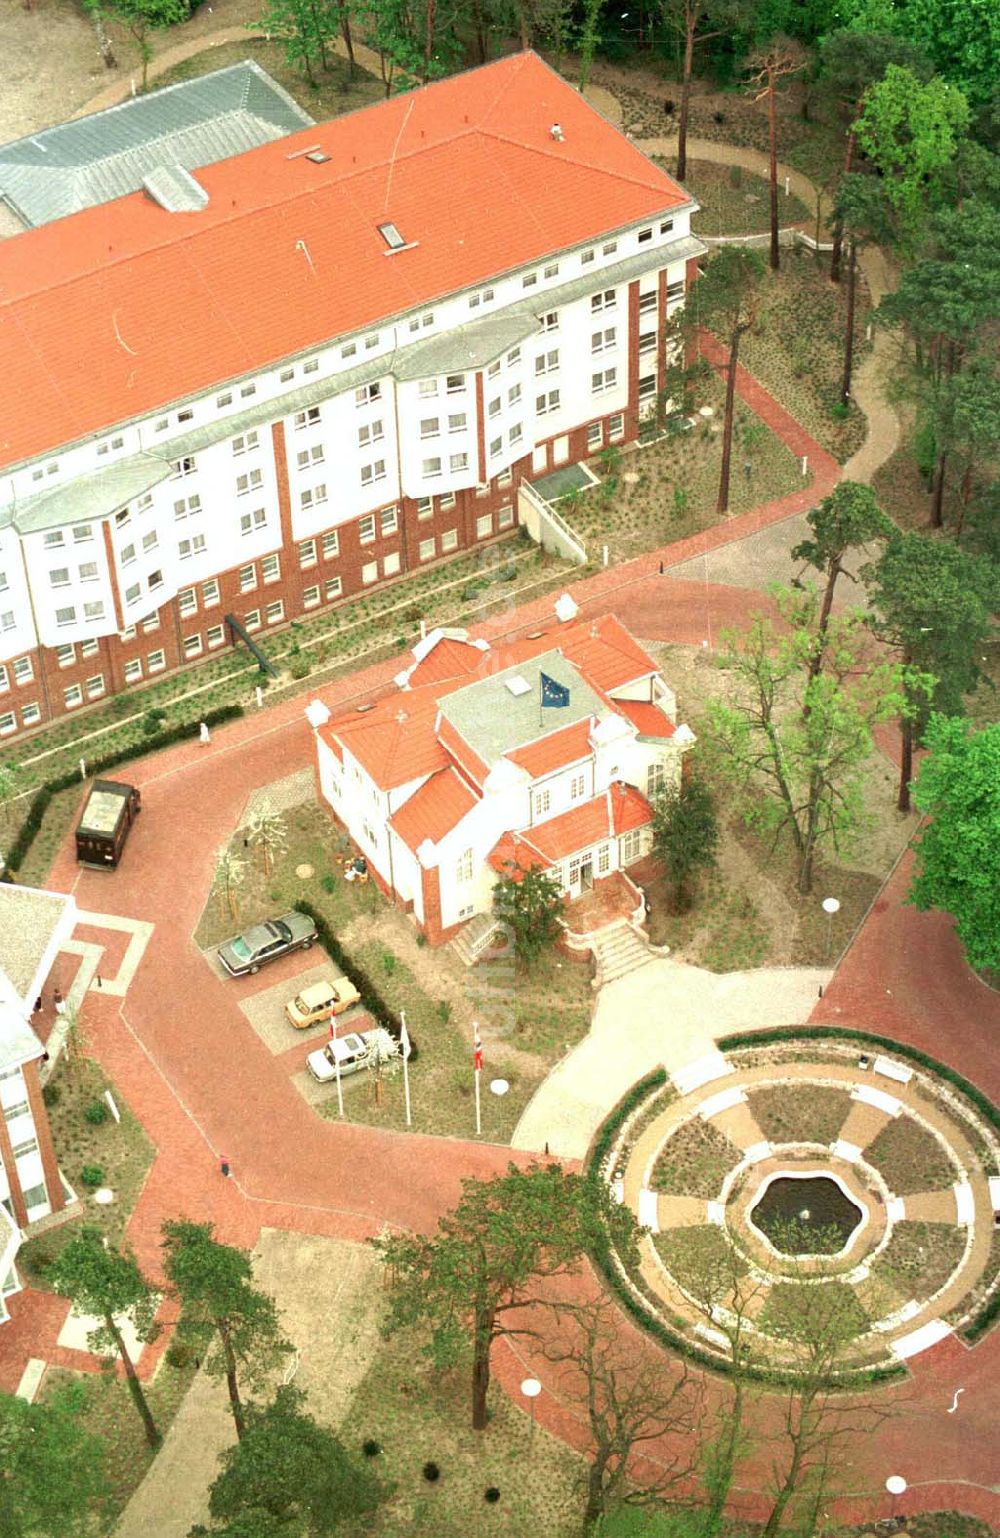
{"x":505,"y":517}
{"x":186,"y":507}
{"x":675,"y":290}
{"x":23,"y":670}
{"x":422,"y":322}
{"x":186,"y":548}
{"x":21,"y":1150}
{"x":616,"y":427}
{"x":609,"y":248}
{"x":605,"y":300}
{"x":504,"y":478}
{"x":425,"y":507}
{"x":369,"y":573}
{"x":225,"y":399}
{"x":247,"y":578}
{"x":431,"y":467}
{"x":455,"y":384}
{"x":65,"y":616}
{"x":367,"y":394}
{"x":252,"y":481}
{"x":192,"y":645}
{"x":463,"y":867}
{"x":133,"y":670}
{"x":275,"y":612}
{"x":270,"y":568}
{"x":53,"y":539}
{"x":515,"y":434}
{"x":604,"y":859}
{"x":656,"y":778}
{"x":547,"y":362}
{"x":210,"y":592}
{"x":154,"y":580}
{"x":514,"y":356}
{"x":430,"y":427}
{"x":145,"y":502}
{"x":529,"y":280}
{"x":286,"y":375}
{"x":428,"y":388}
{"x":600,"y":341}
{"x":66,"y":655}
{"x":446,"y":500}
{"x":371,"y":433}
{"x":187,"y":601}
{"x":389,"y":520}
{"x":155,"y":662}
{"x":577,"y":787}
{"x":605,"y":380}
{"x":307,"y":554}
{"x":110,"y":446}
{"x":333,"y":589}
{"x":427,"y":549}
{"x":449,"y":540}
{"x":371,"y":342}
{"x":310,"y":597}
{"x":187,"y":415}
{"x":307,"y":457}
{"x":59,"y":576}
{"x":150,"y":541}
{"x":493,"y":370}
{"x":484,"y":296}
{"x":308,"y":418}
{"x":496,"y":447}
{"x":251,"y":619}
{"x":132,"y":593}
{"x":647,"y":341}
{"x":6,"y":619}
{"x":631,"y":846}
{"x":30,"y":714}
{"x":215,"y":636}
{"x":666,"y":225}
{"x":391,"y":564}
{"x":373,"y":472}
{"x":311,"y":367}
{"x":128,"y":634}
{"x":513,"y":395}
{"x":458,"y":463}
{"x":150,"y":624}
{"x":484,"y":526}
{"x":546,"y":403}
{"x":8,"y":723}
{"x":247,"y":390}
{"x":542,"y":801}
{"x":250,"y":522}
{"x":180,"y":467}
{"x":366,"y":529}
{"x":245,"y":443}
{"x":456,"y":422}
{"x":550,"y":321}
{"x":586,"y":257}
{"x":349,"y":350}
{"x":494,"y":406}
{"x":123,"y":518}
{"x":647,"y":303}
{"x":315,"y":496}
{"x":4,"y":679}
{"x":644,"y":237}
{"x":595,"y":435}
{"x":647,"y":387}
{"x":82,"y":534}
{"x":331,"y":545}
{"x":551,"y":270}
{"x":89,"y":648}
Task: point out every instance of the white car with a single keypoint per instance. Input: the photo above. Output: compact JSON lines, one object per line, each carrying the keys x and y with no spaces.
{"x":349,"y":1051}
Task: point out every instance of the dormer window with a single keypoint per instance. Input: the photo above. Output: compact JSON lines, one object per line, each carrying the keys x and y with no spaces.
{"x":392,"y":237}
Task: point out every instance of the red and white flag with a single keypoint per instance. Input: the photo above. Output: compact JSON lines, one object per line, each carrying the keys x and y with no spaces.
{"x":477,"y":1048}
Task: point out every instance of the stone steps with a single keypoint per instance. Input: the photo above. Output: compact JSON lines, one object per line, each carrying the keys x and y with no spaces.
{"x":618,"y":951}
{"x":478,"y":935}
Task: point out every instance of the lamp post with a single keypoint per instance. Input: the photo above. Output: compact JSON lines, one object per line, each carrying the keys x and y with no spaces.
{"x":831,"y":905}
{"x":531,"y":1388}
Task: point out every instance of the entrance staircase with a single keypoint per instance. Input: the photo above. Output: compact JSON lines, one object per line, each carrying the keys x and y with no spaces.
{"x":479,"y":935}
{"x":619,"y":949}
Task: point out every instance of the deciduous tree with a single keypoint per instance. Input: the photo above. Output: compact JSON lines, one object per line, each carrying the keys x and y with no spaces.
{"x":529,"y":902}
{"x":727,"y":296}
{"x":51,"y":1466}
{"x":266,"y":832}
{"x":685,"y":835}
{"x":222,"y":1310}
{"x":141,"y":17}
{"x":468,"y":1281}
{"x":107,"y":1284}
{"x":850,"y":518}
{"x":958,"y":852}
{"x":932,"y":602}
{"x":911,"y":131}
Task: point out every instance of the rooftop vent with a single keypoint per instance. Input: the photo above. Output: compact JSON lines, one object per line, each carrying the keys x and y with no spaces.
{"x":517,"y":685}
{"x":557,"y":133}
{"x":392,"y":237}
{"x":317,"y":156}
{"x":175,"y":189}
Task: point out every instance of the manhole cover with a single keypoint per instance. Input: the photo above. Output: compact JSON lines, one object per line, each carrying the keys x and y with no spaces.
{"x":104,"y":1196}
{"x":304,"y":872}
{"x":630,"y":477}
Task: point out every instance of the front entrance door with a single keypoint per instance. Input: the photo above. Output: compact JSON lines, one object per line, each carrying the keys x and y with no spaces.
{"x":587,"y":875}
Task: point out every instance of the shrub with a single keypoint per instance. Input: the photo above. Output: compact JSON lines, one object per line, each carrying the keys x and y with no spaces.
{"x":51,"y":1094}
{"x":92,"y":1175}
{"x":299,"y":666}
{"x":492,"y":1495}
{"x":371,"y":998}
{"x":96,"y":1113}
{"x":178,"y":1354}
{"x":371,"y":1448}
{"x":444,"y":1011}
{"x":389,"y":963}
{"x":431,"y":1472}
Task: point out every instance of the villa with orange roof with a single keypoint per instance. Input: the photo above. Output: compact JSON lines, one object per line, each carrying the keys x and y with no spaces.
{"x":540,"y":753}
{"x":246,"y":390}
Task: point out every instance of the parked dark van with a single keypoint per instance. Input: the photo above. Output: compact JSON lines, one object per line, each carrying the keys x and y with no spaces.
{"x":110,"y":811}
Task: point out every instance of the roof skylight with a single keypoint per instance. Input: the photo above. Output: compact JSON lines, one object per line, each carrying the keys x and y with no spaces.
{"x":392,"y":237}
{"x":517,"y":685}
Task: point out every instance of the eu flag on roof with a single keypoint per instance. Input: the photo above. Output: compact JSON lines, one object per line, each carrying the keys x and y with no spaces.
{"x":553,"y":693}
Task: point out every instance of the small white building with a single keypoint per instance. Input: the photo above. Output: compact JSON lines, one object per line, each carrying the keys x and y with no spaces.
{"x":539,"y":753}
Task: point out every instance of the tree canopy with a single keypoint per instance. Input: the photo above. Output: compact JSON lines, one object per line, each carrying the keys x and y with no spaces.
{"x":911,"y":132}
{"x":685,"y":834}
{"x":51,"y":1466}
{"x":529,"y":902}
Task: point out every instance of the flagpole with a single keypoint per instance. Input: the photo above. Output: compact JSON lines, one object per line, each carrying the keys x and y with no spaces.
{"x":336,"y":1068}
{"x":404,"y":1045}
{"x":477,"y":1060}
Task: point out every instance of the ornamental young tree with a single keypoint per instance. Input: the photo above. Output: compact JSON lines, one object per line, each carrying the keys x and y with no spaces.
{"x":848,"y":519}
{"x":932,"y":602}
{"x":793,"y":748}
{"x":305,"y":28}
{"x":140,"y":18}
{"x":222,"y":1310}
{"x":685,"y":835}
{"x":529,"y":902}
{"x":108,"y":1284}
{"x":958,"y":852}
{"x":50,"y":1466}
{"x":483,"y":1265}
{"x":288,"y":1477}
{"x":727,"y":296}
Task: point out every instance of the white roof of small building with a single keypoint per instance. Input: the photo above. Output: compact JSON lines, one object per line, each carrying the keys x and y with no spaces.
{"x":33,"y":925}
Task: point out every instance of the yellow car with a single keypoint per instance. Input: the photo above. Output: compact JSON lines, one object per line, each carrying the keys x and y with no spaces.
{"x":320,"y":1001}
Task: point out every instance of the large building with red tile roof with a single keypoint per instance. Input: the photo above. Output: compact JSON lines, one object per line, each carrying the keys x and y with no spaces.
{"x":538,"y":753}
{"x":256,"y":388}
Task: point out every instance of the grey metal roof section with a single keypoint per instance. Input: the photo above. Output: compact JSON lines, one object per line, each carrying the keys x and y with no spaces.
{"x":472,"y":346}
{"x":96,"y":495}
{"x":493,"y":721}
{"x":175,"y":189}
{"x":107,"y":154}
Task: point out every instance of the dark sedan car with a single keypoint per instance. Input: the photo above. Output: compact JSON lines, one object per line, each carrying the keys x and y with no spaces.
{"x":262,"y":943}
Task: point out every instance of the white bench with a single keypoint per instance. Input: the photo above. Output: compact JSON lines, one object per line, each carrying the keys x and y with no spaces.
{"x":965,"y":1204}
{"x":648,"y":1213}
{"x":849,"y":1152}
{"x":867,"y":1094}
{"x":891,"y":1070}
{"x":723,"y":1101}
{"x":921,"y":1340}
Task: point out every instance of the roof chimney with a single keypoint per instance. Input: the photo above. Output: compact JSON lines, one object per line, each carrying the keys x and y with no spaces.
{"x":557,"y":133}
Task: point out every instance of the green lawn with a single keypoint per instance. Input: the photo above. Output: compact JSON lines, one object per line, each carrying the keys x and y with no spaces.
{"x":736,"y":202}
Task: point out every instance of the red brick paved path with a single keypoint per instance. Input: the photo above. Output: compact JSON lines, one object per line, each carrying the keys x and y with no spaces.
{"x":193,"y":1070}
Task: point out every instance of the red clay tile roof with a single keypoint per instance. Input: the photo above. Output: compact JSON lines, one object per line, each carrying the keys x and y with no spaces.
{"x":432,"y":811}
{"x":448,"y":659}
{"x":556,"y":751}
{"x":395,"y":742}
{"x":120,"y":309}
{"x":649,"y":719}
{"x":616,"y":811}
{"x":513,"y":849}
